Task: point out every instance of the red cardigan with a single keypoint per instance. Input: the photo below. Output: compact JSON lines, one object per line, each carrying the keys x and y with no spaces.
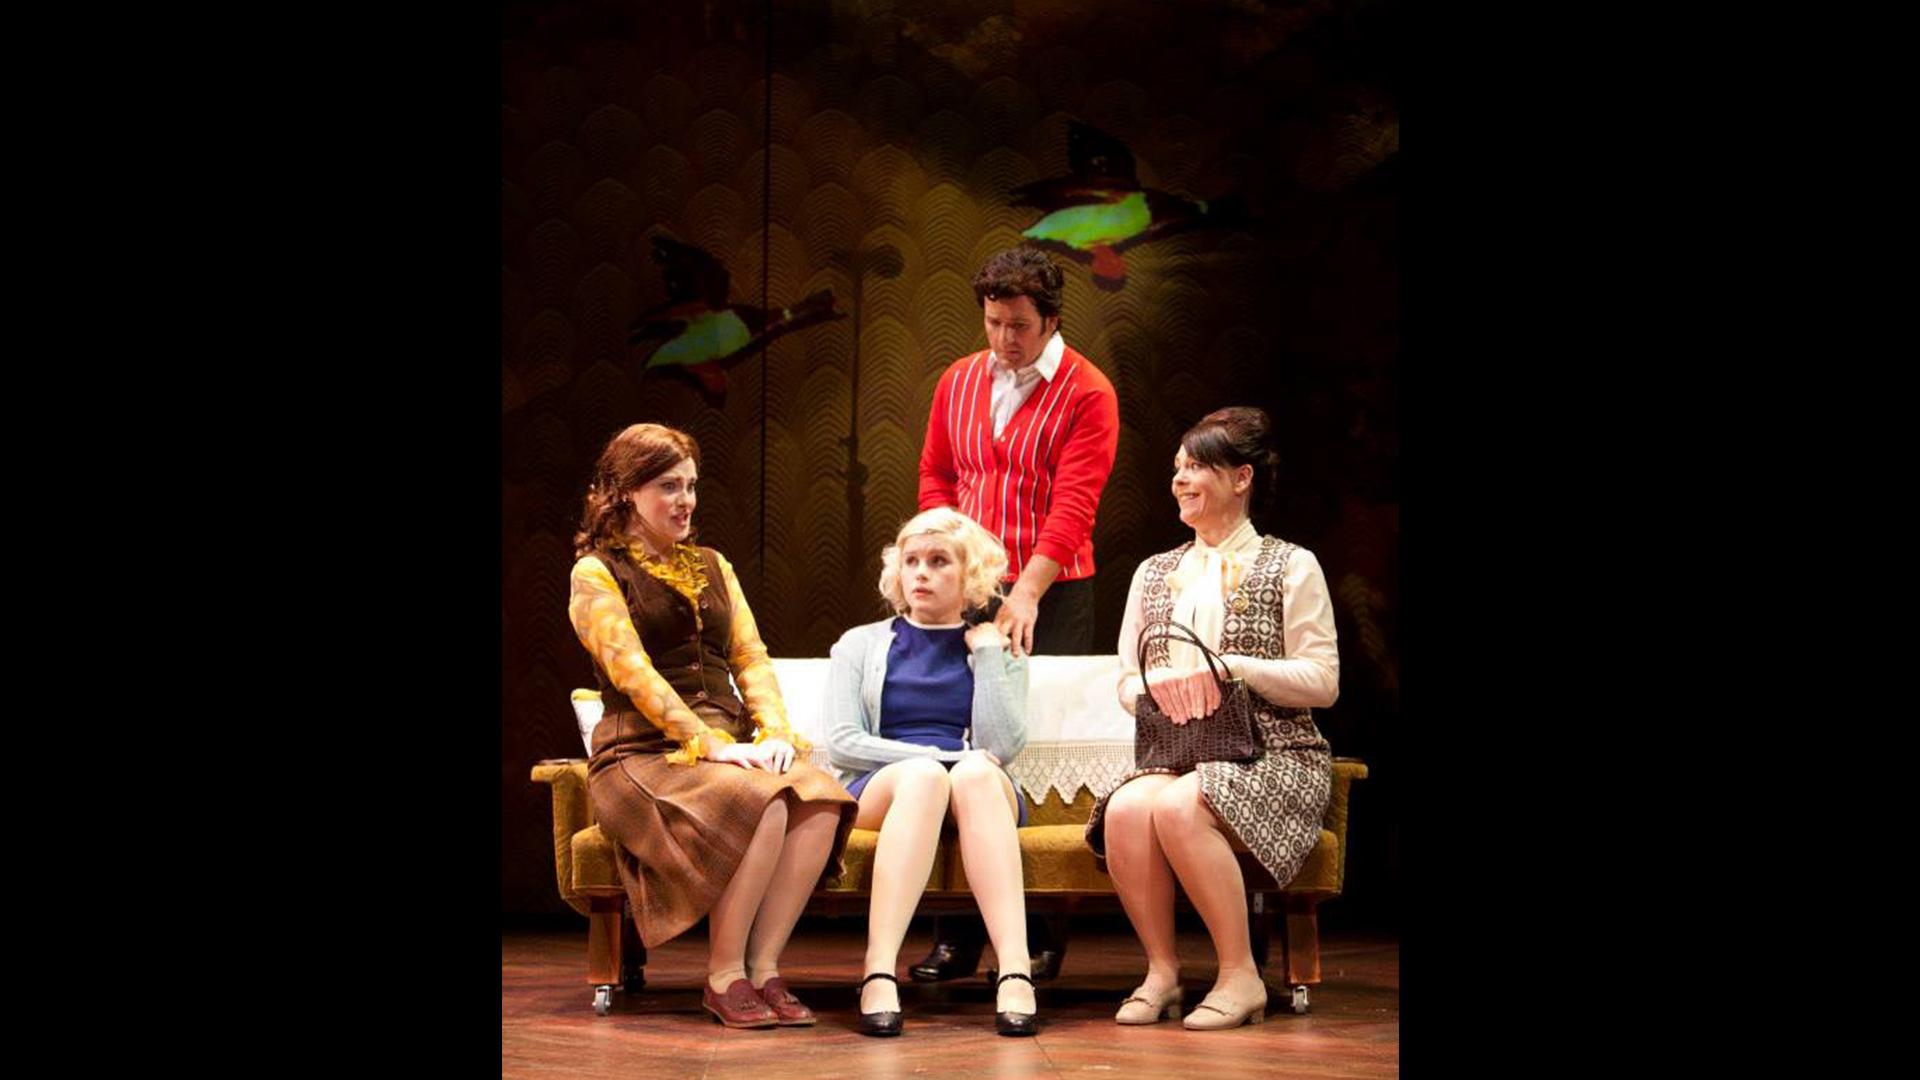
{"x":1035,"y":486}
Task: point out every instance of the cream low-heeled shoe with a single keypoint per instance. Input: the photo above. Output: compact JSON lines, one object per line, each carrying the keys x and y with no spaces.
{"x":1209,"y":1016}
{"x":1142,"y":1009}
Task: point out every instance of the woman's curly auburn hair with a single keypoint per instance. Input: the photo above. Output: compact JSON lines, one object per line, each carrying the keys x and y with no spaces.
{"x":633,"y":457}
{"x":983,"y":561}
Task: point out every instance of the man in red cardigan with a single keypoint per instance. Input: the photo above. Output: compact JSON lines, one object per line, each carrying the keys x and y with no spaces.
{"x":1021,"y":438}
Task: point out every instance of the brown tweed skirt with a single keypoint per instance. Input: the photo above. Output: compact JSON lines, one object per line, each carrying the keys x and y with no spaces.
{"x":681,"y":830}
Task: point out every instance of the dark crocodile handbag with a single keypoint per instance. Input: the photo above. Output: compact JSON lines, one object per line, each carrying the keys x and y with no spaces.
{"x":1229,"y":734}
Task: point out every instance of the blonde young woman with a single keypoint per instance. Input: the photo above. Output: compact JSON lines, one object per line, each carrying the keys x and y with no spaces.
{"x":709,"y":799}
{"x":1262,"y":603}
{"x":923,"y":715}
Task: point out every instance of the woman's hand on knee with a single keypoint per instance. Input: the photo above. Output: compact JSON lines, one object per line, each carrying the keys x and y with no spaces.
{"x":977,"y":754}
{"x":774,"y":755}
{"x":779,"y":755}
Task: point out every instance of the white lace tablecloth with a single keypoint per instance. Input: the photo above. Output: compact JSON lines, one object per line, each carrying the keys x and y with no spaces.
{"x":1077,"y":733}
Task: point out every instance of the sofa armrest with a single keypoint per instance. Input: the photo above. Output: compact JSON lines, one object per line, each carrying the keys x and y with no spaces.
{"x":1345,"y":771}
{"x":572,"y":812}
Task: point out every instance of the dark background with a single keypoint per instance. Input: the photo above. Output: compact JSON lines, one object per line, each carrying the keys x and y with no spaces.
{"x":906,"y":125}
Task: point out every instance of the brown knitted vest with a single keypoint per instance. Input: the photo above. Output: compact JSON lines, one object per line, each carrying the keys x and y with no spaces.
{"x":689,"y":652}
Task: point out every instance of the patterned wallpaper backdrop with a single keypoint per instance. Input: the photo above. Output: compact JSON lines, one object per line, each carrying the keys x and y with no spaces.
{"x":902,"y":128}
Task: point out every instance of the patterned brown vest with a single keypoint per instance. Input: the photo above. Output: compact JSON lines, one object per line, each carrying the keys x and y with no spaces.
{"x":688,"y":649}
{"x":1254,"y":626}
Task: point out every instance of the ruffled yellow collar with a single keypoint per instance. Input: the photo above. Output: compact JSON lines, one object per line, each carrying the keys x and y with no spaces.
{"x":680,"y":569}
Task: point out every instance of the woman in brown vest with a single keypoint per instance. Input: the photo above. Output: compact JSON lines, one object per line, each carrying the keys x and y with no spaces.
{"x":710,"y":801}
{"x":1262,"y":603}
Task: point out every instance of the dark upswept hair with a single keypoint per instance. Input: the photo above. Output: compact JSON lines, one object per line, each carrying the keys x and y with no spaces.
{"x":1021,"y":271}
{"x":633,"y":457}
{"x":1234,"y":436}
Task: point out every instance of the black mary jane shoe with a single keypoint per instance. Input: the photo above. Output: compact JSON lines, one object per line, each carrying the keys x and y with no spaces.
{"x":947,"y":960}
{"x":1013,"y":1023}
{"x":879,"y":1024}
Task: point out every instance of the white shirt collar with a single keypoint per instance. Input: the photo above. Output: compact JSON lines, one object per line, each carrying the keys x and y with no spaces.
{"x":1243,"y":538}
{"x":1048,"y":363}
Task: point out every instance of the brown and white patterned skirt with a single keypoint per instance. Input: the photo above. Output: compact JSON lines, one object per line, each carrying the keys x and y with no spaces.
{"x":1273,"y":805}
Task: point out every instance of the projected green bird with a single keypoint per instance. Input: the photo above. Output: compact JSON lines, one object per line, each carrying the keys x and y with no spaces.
{"x":1098,"y":211}
{"x":700,"y":333}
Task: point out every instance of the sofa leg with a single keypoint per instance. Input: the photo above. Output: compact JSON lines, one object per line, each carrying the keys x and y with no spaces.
{"x":1303,"y":940}
{"x":603,"y":940}
{"x":1260,"y":927}
{"x":633,"y":956}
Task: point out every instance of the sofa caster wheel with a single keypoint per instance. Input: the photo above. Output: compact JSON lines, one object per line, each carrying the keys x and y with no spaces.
{"x":1299,"y":1003}
{"x":602,"y":1000}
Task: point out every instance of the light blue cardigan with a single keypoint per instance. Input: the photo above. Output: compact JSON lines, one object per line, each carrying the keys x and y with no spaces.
{"x":856,"y":675}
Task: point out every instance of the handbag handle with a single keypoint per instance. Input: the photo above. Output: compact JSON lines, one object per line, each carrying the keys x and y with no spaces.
{"x":1159,"y":631}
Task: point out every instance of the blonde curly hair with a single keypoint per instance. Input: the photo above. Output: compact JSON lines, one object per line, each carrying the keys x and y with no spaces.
{"x":983,"y":561}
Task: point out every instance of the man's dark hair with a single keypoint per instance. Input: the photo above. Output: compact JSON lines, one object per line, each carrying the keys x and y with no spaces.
{"x":1021,"y":271}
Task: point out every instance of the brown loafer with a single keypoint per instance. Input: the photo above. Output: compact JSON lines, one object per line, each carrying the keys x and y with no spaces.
{"x":785,"y":1006}
{"x":739,"y":1007}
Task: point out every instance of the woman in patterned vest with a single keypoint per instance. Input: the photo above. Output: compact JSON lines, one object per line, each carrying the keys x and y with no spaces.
{"x":1262,"y":604}
{"x":710,"y":800}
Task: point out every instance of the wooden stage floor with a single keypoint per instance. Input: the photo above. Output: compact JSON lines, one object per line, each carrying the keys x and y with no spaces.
{"x":549,"y":1029}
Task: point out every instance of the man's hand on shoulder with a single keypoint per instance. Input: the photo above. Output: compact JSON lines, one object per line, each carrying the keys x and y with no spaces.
{"x":1015,"y":620}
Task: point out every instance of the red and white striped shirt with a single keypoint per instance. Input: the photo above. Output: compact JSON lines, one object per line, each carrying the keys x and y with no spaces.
{"x":1037,"y":484}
